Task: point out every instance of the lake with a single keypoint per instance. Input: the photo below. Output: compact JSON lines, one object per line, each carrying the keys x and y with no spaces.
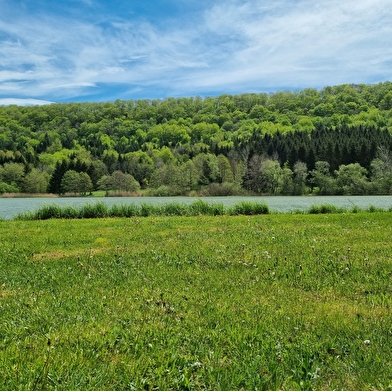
{"x":10,"y":207}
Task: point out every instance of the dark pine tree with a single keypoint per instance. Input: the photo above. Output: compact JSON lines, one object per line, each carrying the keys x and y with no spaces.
{"x":57,"y":175}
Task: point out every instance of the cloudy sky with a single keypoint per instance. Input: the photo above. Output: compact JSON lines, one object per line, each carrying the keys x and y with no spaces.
{"x":100,"y":50}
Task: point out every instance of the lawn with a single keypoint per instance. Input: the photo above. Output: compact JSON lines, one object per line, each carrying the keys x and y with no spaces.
{"x":268,"y":302}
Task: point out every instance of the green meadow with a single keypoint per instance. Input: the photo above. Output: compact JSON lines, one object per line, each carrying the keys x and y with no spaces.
{"x":259,"y":302}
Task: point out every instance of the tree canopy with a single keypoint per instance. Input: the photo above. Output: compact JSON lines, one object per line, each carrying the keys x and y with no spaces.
{"x":242,"y":141}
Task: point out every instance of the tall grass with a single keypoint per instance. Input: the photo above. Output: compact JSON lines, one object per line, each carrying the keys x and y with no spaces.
{"x":196,"y":208}
{"x":249,"y":208}
{"x":100,"y":209}
{"x":200,"y":207}
{"x":325,"y":208}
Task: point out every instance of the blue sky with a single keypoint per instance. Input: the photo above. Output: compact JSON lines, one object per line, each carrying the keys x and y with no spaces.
{"x":96,"y":50}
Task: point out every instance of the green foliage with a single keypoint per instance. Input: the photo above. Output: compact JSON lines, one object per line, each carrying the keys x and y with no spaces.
{"x":322,"y":179}
{"x":352,"y":179}
{"x":7,"y":188}
{"x":164,"y":191}
{"x":249,"y":208}
{"x":220,"y":189}
{"x":196,"y":208}
{"x":120,"y":182}
{"x":13,"y":174}
{"x":340,"y":125}
{"x":169,"y":175}
{"x":199,"y":208}
{"x":70,"y":182}
{"x":76,"y":182}
{"x":100,"y":209}
{"x":327,"y":208}
{"x":35,"y":181}
{"x":381,"y":172}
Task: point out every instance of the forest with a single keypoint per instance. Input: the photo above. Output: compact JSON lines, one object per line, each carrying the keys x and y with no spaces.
{"x":337,"y":140}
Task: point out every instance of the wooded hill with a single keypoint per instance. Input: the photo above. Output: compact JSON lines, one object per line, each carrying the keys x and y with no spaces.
{"x":331,"y":141}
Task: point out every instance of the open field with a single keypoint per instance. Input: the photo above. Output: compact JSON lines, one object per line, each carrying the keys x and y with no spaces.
{"x":267,"y":302}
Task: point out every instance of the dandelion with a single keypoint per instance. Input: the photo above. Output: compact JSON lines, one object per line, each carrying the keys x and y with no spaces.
{"x":197,"y":364}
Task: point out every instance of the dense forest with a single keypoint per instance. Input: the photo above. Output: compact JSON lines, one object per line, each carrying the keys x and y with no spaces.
{"x":337,"y":140}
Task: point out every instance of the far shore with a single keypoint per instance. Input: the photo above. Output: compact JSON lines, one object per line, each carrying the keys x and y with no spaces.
{"x":29,"y":195}
{"x":51,"y":195}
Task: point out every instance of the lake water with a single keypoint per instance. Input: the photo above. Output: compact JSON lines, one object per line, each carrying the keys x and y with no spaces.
{"x":10,"y":207}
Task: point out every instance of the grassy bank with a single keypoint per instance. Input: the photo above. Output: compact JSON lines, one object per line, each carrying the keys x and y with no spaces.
{"x":272,"y":302}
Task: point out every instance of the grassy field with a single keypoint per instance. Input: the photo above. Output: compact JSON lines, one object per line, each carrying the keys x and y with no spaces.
{"x":268,"y":302}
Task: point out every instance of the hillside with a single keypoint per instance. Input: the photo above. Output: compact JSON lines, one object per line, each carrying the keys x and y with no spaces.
{"x":331,"y":141}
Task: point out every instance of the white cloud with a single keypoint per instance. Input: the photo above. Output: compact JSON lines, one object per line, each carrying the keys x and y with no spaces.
{"x":300,"y":43}
{"x":234,"y":46}
{"x":23,"y":102}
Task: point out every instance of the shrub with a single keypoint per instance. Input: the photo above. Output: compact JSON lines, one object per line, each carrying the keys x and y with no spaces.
{"x":7,"y":188}
{"x":220,"y":189}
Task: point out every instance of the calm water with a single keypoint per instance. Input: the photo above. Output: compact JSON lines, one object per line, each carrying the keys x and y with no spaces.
{"x":10,"y":207}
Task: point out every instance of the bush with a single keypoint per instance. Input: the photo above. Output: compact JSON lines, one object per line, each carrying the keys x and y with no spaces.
{"x":220,"y":189}
{"x":165,"y":191}
{"x":6,"y":188}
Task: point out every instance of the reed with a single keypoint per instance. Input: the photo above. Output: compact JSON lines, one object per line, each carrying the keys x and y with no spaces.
{"x":196,"y":208}
{"x":201,"y":208}
{"x":325,"y":208}
{"x":249,"y":208}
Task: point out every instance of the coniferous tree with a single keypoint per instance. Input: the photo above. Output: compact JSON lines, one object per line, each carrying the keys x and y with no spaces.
{"x":56,"y":177}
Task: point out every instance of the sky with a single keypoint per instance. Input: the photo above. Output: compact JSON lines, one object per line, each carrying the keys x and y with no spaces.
{"x":101,"y":50}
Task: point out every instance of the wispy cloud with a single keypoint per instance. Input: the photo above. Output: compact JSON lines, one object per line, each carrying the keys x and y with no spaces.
{"x":304,"y":43}
{"x":23,"y":102}
{"x":229,"y":46}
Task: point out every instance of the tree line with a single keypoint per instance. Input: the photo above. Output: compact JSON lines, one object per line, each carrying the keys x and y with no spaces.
{"x":331,"y":141}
